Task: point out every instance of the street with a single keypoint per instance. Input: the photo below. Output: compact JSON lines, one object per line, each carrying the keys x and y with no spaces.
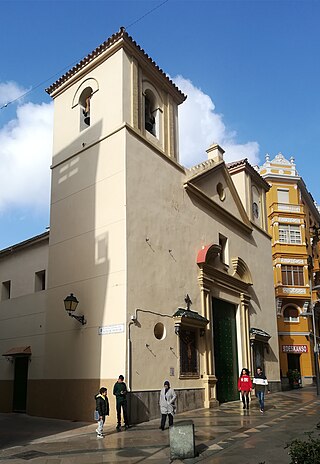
{"x":225,"y":435}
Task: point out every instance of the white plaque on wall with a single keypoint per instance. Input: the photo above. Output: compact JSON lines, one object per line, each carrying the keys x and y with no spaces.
{"x":111,"y":329}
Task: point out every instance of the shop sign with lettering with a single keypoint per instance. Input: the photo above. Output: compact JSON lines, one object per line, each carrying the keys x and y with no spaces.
{"x":295,"y":349}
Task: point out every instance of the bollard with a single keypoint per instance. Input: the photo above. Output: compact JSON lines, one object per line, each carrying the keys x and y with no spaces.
{"x":181,"y":436}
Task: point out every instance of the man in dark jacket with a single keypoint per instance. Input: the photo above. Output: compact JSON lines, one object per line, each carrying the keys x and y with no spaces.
{"x":260,"y":383}
{"x":120,"y":391}
{"x":102,"y":410}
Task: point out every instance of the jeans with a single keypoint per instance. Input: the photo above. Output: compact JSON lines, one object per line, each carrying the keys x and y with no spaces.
{"x":100,"y":425}
{"x":260,"y":395}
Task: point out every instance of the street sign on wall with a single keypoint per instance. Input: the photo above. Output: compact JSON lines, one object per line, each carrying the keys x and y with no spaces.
{"x":111,"y":329}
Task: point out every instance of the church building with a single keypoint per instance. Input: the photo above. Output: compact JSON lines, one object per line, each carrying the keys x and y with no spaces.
{"x":166,"y":270}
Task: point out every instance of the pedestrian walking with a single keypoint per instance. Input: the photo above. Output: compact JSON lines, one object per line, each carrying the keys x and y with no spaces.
{"x":102,"y":410}
{"x":120,"y":392}
{"x":245,"y":387}
{"x":260,"y":384}
{"x":167,"y":404}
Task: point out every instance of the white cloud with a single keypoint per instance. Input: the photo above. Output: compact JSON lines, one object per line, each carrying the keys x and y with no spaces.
{"x":26,"y":144}
{"x":10,"y":91}
{"x":200,"y":126}
{"x":25,"y":155}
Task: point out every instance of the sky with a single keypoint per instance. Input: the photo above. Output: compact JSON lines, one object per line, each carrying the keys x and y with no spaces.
{"x":250,"y":69}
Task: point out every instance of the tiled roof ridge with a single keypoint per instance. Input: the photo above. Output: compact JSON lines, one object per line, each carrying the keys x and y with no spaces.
{"x":253,"y":169}
{"x":203,"y":165}
{"x":233,"y":164}
{"x":121,"y":34}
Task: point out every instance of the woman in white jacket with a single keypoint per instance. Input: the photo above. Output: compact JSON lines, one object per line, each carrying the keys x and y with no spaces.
{"x":167,"y":404}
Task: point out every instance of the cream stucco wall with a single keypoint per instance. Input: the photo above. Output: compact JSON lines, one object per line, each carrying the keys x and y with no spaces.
{"x":23,"y":316}
{"x":106,"y":114}
{"x":158,"y":279}
{"x":87,"y":256}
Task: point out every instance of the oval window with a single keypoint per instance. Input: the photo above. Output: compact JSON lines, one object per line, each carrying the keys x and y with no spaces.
{"x":159,"y":331}
{"x":220,"y":191}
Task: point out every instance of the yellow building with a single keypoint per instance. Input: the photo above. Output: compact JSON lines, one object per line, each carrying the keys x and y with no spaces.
{"x":293,"y":221}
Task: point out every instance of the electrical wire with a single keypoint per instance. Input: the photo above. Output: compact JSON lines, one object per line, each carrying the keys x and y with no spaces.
{"x":38,"y":85}
{"x":75,"y":62}
{"x":146,"y":14}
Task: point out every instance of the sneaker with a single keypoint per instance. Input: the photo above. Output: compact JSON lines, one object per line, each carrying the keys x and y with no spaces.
{"x":261,"y":410}
{"x":99,"y":435}
{"x":118,"y":428}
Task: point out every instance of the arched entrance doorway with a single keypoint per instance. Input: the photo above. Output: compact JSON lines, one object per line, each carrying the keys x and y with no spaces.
{"x":225,"y":301}
{"x":225,"y":350}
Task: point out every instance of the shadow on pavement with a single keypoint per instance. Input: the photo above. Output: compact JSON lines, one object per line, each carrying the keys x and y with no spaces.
{"x":19,"y":429}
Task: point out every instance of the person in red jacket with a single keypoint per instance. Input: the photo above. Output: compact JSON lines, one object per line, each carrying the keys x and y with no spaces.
{"x":245,"y":387}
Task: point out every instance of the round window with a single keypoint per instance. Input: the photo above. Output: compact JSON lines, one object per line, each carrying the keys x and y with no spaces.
{"x":220,"y":191}
{"x":159,"y":331}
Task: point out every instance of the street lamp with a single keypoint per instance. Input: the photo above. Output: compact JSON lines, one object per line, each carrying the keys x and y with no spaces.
{"x":315,"y":344}
{"x":70,"y":305}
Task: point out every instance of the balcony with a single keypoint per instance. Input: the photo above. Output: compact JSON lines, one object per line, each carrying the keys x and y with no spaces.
{"x":287,"y":291}
{"x":316,"y":267}
{"x":286,"y":207}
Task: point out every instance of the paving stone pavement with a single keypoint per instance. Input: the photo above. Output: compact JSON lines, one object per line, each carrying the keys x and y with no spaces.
{"x":225,"y":435}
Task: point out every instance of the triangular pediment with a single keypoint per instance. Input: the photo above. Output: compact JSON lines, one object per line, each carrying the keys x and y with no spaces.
{"x":213,"y":183}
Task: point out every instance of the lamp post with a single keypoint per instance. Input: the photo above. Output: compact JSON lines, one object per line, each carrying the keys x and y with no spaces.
{"x":315,"y":352}
{"x":70,"y":305}
{"x":315,"y":344}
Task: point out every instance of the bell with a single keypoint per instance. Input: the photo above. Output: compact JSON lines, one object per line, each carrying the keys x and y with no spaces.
{"x":86,"y":118}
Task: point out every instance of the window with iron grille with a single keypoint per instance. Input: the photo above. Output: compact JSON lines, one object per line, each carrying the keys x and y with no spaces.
{"x":289,"y":233}
{"x":189,"y":359}
{"x":292,"y":275}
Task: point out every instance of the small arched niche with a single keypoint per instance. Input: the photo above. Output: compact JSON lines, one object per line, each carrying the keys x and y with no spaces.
{"x":149,"y":112}
{"x":83,"y":99}
{"x":152,"y":111}
{"x":256,"y":204}
{"x":85,"y":107}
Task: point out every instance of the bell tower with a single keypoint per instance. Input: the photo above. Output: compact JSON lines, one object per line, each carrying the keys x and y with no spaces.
{"x":115,"y":120}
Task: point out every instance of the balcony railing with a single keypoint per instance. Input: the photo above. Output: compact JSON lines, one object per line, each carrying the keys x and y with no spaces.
{"x":286,"y":207}
{"x":288,"y":291}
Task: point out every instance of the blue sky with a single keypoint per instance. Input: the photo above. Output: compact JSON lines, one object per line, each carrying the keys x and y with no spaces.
{"x":251,"y":71}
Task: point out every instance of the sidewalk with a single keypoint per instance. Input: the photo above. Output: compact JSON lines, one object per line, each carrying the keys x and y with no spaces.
{"x":225,"y":435}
